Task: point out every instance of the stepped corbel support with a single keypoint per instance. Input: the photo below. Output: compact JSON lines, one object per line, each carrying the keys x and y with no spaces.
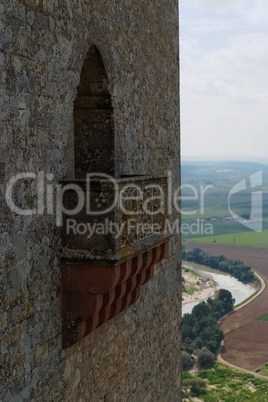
{"x":93,"y":294}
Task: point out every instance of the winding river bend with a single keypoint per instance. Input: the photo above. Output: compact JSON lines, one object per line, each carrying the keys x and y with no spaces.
{"x":239,"y":290}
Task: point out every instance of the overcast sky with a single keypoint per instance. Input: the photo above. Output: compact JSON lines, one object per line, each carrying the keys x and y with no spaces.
{"x":224,"y":78}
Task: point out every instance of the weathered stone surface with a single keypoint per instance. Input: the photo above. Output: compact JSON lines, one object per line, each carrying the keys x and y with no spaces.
{"x":43,"y":45}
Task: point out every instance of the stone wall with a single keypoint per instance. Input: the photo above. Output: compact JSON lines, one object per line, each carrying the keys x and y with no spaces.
{"x":43,"y":44}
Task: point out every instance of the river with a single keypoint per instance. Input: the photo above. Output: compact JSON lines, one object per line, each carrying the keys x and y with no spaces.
{"x":239,"y":290}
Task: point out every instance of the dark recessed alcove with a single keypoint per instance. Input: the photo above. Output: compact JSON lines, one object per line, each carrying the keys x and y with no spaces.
{"x":93,"y":119}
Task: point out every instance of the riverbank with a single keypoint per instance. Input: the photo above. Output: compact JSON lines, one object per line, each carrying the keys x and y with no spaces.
{"x":197,"y":286}
{"x":202,"y":282}
{"x":259,"y":290}
{"x":245,"y":334}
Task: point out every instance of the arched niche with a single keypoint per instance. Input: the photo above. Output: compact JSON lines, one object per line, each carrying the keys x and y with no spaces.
{"x":93,"y":119}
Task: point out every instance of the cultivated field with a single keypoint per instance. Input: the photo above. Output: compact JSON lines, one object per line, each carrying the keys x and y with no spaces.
{"x":210,"y":204}
{"x":246,"y":339}
{"x":241,"y":239}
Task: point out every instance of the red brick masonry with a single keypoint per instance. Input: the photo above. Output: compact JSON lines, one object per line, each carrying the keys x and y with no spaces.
{"x":92,"y":294}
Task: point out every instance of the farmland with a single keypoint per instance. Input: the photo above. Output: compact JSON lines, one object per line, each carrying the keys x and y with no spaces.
{"x":212,"y":206}
{"x":224,"y":384}
{"x":245,"y":334}
{"x":231,"y":219}
{"x":241,"y":239}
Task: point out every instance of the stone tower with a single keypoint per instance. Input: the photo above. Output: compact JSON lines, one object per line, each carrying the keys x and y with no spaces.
{"x":89,"y":87}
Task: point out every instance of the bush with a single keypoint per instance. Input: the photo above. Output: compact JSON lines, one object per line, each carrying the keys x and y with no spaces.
{"x":225,"y":296}
{"x":186,"y":375}
{"x":187,"y":362}
{"x":197,"y":386}
{"x":205,"y":358}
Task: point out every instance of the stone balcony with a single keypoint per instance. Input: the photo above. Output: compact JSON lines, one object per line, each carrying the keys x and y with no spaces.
{"x":113,"y":234}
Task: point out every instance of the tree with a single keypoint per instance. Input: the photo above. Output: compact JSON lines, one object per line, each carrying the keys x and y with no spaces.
{"x":217,"y":307}
{"x":206,"y":322}
{"x":211,"y":338}
{"x":205,"y":358}
{"x":224,"y":266}
{"x":225,"y":296}
{"x":201,"y":310}
{"x":186,"y":360}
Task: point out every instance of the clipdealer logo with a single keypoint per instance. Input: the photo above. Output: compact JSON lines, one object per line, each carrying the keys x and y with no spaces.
{"x":255,"y":221}
{"x":30,"y":193}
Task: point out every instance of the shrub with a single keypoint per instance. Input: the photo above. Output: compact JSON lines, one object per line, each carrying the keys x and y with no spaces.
{"x":197,"y":386}
{"x":205,"y":358}
{"x":187,"y":362}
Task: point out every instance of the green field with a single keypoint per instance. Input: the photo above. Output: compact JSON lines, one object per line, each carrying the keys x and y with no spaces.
{"x":264,"y":370}
{"x":227,"y":385}
{"x":263,"y":318}
{"x":208,"y":208}
{"x":241,"y":239}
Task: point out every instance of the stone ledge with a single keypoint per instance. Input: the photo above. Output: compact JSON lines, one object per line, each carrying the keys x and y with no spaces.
{"x":73,"y":255}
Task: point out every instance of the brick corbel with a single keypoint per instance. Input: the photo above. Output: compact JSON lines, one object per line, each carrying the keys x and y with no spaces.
{"x":92,"y":294}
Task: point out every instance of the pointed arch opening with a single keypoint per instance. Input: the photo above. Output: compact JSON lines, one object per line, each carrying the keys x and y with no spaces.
{"x":93,"y":119}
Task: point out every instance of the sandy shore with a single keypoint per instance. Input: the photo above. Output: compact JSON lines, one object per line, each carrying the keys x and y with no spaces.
{"x":200,"y":286}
